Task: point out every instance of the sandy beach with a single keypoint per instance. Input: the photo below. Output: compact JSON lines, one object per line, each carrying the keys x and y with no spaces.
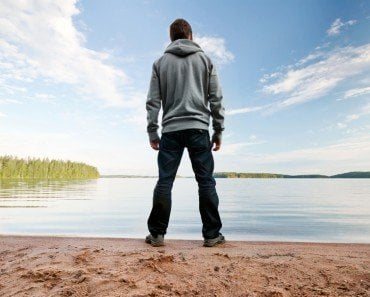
{"x":71,"y":266}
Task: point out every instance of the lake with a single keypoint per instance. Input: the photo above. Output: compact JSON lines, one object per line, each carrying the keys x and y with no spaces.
{"x":318,"y":210}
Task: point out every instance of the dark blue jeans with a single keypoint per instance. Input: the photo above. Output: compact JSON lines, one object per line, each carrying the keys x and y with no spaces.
{"x":171,"y":148}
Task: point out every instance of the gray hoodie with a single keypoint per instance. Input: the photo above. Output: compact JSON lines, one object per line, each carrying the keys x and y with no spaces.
{"x":184,"y":82}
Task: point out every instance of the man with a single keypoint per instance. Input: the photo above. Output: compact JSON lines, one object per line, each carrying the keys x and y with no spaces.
{"x":184,"y":82}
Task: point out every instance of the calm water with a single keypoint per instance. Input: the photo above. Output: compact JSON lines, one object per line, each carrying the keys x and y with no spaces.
{"x":327,"y":210}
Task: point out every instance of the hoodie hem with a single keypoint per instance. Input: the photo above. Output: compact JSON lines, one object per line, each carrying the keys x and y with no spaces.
{"x":185,"y":126}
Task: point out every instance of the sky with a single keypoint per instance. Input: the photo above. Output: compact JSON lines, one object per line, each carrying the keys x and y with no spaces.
{"x":295,"y":75}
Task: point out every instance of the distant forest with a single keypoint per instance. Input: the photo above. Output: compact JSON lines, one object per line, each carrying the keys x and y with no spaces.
{"x":272,"y":175}
{"x":32,"y":168}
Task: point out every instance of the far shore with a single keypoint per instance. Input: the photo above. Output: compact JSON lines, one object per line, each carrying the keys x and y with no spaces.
{"x":80,"y":266}
{"x":228,"y":174}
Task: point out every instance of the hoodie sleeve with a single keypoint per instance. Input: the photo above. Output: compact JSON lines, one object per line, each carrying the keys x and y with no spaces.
{"x":215,"y":103}
{"x":153,"y":105}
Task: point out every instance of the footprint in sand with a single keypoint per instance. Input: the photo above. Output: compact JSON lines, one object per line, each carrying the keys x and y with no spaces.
{"x":83,"y":258}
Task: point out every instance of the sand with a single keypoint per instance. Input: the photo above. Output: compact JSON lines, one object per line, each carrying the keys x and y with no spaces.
{"x":71,"y":266}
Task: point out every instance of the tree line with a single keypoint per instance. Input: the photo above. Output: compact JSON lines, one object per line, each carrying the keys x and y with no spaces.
{"x":246,"y":175}
{"x":356,"y":174}
{"x":33,"y":168}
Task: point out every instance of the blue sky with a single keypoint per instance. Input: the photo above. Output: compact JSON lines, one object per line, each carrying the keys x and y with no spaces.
{"x":295,"y":76}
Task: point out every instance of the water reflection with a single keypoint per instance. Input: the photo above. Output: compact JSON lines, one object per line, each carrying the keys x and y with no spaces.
{"x":38,"y":193}
{"x":288,"y":210}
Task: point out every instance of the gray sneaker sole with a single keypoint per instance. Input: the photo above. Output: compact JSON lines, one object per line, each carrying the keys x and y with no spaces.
{"x":215,"y":241}
{"x":154,"y":243}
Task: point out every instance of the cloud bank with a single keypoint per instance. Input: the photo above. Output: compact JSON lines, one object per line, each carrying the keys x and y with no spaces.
{"x":313,"y":77}
{"x":301,"y":84}
{"x":215,"y":48}
{"x":39,"y":40}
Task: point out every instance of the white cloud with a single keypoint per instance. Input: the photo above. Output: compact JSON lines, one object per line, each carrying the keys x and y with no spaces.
{"x":309,"y":58}
{"x":312,"y":77}
{"x":2,"y":114}
{"x":267,"y":77}
{"x":38,"y":40}
{"x":246,"y":109}
{"x":215,"y":48}
{"x":337,"y":25}
{"x":357,"y":92}
{"x":301,"y":84}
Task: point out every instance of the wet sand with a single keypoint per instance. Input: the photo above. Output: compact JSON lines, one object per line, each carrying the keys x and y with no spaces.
{"x":72,"y":266}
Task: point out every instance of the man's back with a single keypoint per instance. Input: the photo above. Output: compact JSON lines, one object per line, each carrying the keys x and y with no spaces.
{"x":183,"y":73}
{"x":184,"y":82}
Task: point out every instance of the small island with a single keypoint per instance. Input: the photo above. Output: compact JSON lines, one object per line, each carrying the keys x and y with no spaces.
{"x":33,"y":168}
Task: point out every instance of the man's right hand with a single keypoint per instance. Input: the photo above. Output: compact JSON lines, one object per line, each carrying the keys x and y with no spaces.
{"x":154,"y":144}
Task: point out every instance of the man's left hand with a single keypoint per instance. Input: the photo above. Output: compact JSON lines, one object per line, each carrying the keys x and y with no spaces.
{"x":216,"y":143}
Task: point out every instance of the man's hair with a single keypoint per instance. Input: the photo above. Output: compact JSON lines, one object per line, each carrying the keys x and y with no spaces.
{"x":180,"y":29}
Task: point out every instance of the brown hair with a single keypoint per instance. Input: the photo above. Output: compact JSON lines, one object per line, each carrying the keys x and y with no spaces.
{"x":180,"y":29}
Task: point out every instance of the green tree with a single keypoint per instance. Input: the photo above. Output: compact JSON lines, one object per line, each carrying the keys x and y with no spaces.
{"x":33,"y":168}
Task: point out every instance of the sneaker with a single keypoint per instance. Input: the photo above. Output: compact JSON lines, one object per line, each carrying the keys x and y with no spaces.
{"x":210,"y":242}
{"x":155,"y":240}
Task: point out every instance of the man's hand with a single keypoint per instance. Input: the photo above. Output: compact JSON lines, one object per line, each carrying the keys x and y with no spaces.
{"x":216,"y":141}
{"x":154,"y":144}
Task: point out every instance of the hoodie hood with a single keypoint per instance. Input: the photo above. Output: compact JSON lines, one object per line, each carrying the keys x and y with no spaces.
{"x":183,"y":47}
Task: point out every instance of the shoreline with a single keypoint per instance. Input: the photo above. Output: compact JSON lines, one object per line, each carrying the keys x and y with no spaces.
{"x":102,"y":266}
{"x":139,"y":239}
